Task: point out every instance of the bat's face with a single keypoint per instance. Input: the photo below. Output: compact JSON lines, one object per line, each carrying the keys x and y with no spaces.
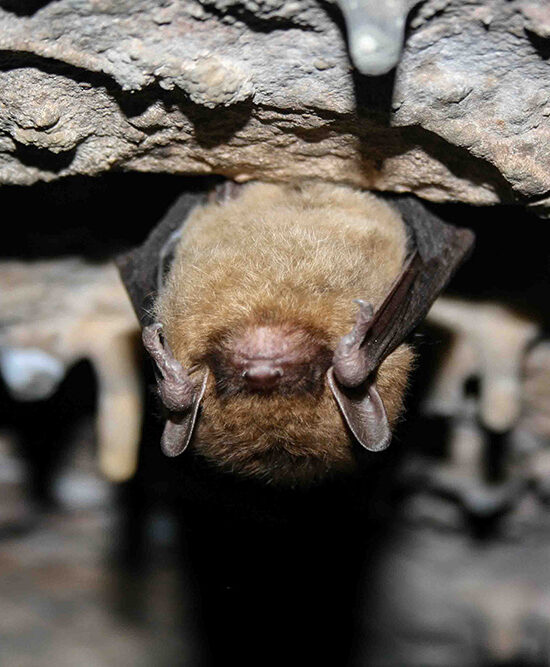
{"x":268,"y":411}
{"x":259,"y":295}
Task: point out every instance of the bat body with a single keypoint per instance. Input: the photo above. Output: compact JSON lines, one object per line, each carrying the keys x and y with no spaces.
{"x":260,"y":292}
{"x":278,"y":332}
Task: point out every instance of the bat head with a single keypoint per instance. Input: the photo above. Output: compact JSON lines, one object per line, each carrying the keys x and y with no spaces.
{"x":275,"y":387}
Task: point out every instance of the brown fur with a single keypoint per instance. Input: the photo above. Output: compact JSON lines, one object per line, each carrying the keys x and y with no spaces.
{"x":292,"y":256}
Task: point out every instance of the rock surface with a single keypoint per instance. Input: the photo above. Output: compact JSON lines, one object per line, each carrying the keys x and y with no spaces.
{"x":56,"y":312}
{"x":265,"y":89}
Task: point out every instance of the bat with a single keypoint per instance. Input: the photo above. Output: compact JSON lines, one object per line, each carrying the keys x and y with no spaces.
{"x":277,"y":319}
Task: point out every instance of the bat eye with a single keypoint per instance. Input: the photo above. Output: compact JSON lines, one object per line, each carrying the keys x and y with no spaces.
{"x":263,"y":376}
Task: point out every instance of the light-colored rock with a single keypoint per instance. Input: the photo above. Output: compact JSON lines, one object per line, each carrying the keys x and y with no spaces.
{"x":56,"y":312}
{"x":266,"y":90}
{"x":489,"y":343}
{"x":375,"y":33}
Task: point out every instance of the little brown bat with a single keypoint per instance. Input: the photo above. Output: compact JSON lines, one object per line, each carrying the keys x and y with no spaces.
{"x":278,"y":331}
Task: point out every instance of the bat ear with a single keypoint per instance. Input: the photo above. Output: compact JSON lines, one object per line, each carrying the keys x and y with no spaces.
{"x":180,"y":426}
{"x":177,"y":391}
{"x":364,"y":413}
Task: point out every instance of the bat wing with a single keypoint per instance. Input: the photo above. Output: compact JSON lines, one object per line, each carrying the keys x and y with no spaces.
{"x":437,"y":251}
{"x":143,"y":269}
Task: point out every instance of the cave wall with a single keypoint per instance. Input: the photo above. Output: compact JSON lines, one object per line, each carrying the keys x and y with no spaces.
{"x":266,"y":89}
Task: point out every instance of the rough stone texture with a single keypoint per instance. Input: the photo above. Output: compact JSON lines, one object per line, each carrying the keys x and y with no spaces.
{"x":264,"y":89}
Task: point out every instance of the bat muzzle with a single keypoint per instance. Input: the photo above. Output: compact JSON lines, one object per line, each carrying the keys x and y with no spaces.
{"x":267,"y":358}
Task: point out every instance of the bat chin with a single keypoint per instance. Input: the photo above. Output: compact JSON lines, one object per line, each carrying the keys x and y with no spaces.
{"x":282,"y":440}
{"x":278,"y":467}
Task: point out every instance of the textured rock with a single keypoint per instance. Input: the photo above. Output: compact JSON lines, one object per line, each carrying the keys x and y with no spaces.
{"x":265,"y":89}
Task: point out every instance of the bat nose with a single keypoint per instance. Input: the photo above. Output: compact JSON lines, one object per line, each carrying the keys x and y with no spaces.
{"x":262,"y":376}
